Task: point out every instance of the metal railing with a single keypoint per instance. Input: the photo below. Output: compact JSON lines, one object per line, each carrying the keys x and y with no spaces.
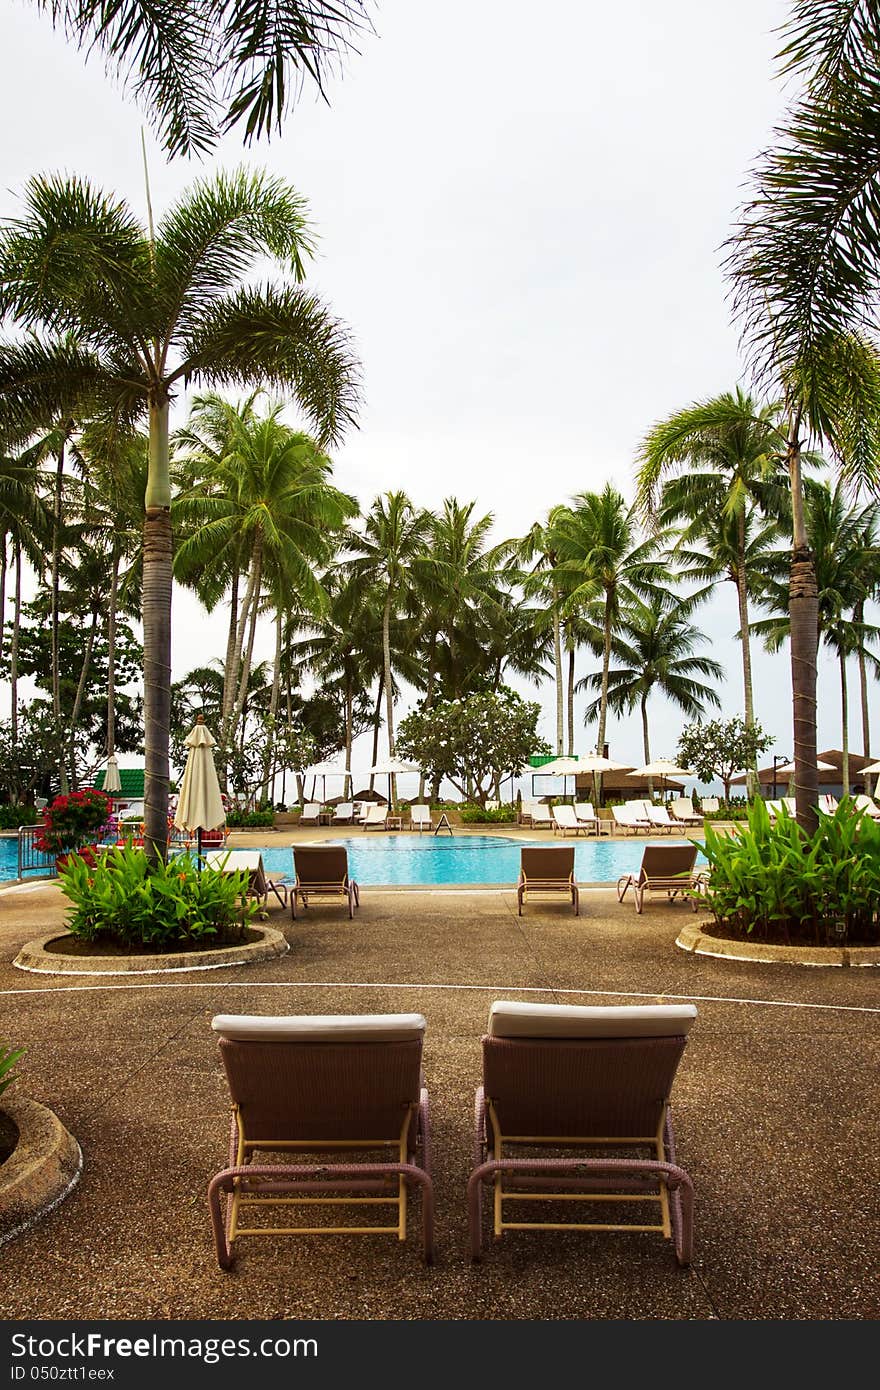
{"x":31,"y":859}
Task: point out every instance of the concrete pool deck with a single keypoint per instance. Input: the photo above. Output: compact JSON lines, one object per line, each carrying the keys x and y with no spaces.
{"x":776,"y":1107}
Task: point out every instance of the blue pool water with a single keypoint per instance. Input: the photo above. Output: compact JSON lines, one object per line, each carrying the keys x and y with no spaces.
{"x":428,"y":860}
{"x":9,"y":859}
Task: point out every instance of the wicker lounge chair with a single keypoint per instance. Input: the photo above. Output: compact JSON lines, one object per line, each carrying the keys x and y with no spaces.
{"x":420,"y":817}
{"x":547,"y":871}
{"x":322,"y":1086}
{"x":375,"y":817}
{"x":565,"y":1078}
{"x":310,"y":814}
{"x":322,"y":871}
{"x":665,"y":869}
{"x":232,"y":861}
{"x":566,"y":822}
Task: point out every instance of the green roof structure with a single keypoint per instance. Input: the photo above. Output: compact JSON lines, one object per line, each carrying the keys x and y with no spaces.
{"x":132,"y":779}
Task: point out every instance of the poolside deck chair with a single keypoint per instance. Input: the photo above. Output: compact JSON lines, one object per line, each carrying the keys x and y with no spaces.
{"x":867,"y":804}
{"x":586,"y":814}
{"x":681,"y":808}
{"x":709,"y":804}
{"x":660,"y":818}
{"x":630,"y":821}
{"x":321,"y":871}
{"x":232,"y":861}
{"x":311,"y":813}
{"x":665,"y":869}
{"x":828,"y":804}
{"x":547,"y":871}
{"x":562,"y":1078}
{"x":306,"y":1089}
{"x":343,"y":813}
{"x":566,"y":822}
{"x":420,"y":817}
{"x":375,"y":816}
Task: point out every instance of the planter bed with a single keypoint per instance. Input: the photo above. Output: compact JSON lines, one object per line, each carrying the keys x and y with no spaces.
{"x":699,"y":940}
{"x":60,"y":954}
{"x":41,"y":1170}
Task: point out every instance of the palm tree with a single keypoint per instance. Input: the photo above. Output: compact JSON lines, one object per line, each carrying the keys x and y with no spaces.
{"x":720,"y":459}
{"x":151,"y":314}
{"x":606,"y":566}
{"x":25,"y":523}
{"x":267,"y":503}
{"x":656,"y":643}
{"x":840,"y":537}
{"x":805,"y":264}
{"x":203,"y":66}
{"x":391,"y":547}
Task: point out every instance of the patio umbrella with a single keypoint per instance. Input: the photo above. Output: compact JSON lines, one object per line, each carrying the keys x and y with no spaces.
{"x":199,"y":803}
{"x":560,"y":767}
{"x":325,"y":770}
{"x":873,"y":768}
{"x":662,"y":768}
{"x":392,"y":767}
{"x":112,"y":780}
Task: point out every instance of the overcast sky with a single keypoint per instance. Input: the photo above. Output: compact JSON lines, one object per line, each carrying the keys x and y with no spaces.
{"x":521,"y":210}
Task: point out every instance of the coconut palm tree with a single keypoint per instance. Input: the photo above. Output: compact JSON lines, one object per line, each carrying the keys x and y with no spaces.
{"x":805,"y":265}
{"x":201,"y":67}
{"x":606,"y":565}
{"x":388,"y":553}
{"x":655,"y":643}
{"x":152,"y":313}
{"x":26,"y":525}
{"x":710,"y":466}
{"x":840,"y":537}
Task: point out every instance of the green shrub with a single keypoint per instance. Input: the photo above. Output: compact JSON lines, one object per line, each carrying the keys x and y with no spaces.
{"x":8,"y":1058}
{"x":12,"y":816}
{"x":772,"y":882}
{"x":250,"y":820}
{"x":732,"y":811}
{"x":125,"y":900}
{"x":499,"y":815}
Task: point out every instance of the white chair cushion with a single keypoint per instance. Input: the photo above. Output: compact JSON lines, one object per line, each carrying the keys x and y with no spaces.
{"x":508,"y":1019}
{"x":319,"y":1027}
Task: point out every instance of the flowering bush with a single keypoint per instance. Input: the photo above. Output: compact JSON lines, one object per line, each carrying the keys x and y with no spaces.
{"x":74,"y":820}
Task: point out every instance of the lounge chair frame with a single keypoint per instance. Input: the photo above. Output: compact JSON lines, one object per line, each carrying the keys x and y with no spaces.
{"x":251,"y":1184}
{"x":540,"y":881}
{"x":568,"y":825}
{"x":334,"y":862}
{"x":581,"y":1064}
{"x":682,"y":881}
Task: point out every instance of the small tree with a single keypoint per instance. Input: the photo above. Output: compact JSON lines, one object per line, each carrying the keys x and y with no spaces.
{"x":721,"y":748}
{"x":475,"y":741}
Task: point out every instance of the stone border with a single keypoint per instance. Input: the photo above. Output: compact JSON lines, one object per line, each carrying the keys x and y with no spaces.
{"x":699,"y":943}
{"x":34,"y":957}
{"x":43,"y":1168}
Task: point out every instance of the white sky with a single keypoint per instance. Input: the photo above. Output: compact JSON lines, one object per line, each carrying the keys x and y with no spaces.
{"x":520,"y":211}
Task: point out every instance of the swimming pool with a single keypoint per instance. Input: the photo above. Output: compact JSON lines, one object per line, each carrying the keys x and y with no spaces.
{"x":488,"y":859}
{"x":426,"y":861}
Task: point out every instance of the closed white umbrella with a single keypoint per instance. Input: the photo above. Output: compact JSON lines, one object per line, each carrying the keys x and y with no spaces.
{"x":199,"y":803}
{"x":112,"y":780}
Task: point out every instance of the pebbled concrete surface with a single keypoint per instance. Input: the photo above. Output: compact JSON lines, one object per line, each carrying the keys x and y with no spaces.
{"x":776,"y":1107}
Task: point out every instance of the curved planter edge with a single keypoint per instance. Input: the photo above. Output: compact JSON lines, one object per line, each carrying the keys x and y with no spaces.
{"x":699,"y":943}
{"x":43,"y":1169}
{"x":34,"y":957}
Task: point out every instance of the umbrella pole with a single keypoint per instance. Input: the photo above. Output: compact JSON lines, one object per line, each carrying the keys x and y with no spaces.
{"x":198,"y":849}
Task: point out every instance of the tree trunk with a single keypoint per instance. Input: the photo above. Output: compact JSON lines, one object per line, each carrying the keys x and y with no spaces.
{"x":13,"y":650}
{"x":234,"y":667}
{"x":844,"y":718}
{"x":603,"y":697}
{"x":230,"y":672}
{"x":3,"y":564}
{"x":745,"y":643}
{"x":646,"y":742}
{"x":429,"y":695}
{"x":274,"y":697}
{"x":80,"y":695}
{"x":859,"y":616}
{"x":377,"y":724}
{"x":156,"y":613}
{"x":557,"y":663}
{"x":254,"y":586}
{"x":389,"y":695}
{"x":571,"y":659}
{"x":803,"y":612}
{"x":111,"y":656}
{"x":56,"y":673}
